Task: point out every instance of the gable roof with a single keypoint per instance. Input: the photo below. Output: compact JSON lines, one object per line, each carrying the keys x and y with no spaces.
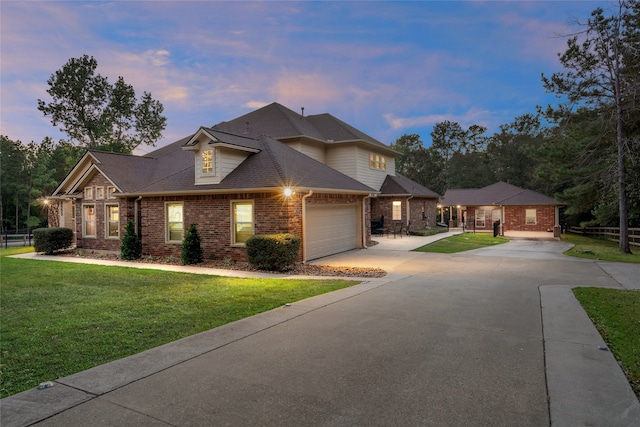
{"x":499,"y":194}
{"x":279,"y":122}
{"x":270,"y":165}
{"x":400,"y":185}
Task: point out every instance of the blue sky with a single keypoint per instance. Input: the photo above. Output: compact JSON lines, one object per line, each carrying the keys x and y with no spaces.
{"x":387,"y":68}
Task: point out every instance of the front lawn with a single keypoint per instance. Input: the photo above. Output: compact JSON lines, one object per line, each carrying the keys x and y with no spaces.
{"x":60,"y":318}
{"x":601,"y":249}
{"x":616,"y":315}
{"x":463,"y":242}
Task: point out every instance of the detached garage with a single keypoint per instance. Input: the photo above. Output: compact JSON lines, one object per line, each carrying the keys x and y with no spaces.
{"x":331,"y":229}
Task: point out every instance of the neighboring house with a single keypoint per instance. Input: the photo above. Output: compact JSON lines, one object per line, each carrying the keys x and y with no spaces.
{"x":517,"y":209}
{"x":269,"y":171}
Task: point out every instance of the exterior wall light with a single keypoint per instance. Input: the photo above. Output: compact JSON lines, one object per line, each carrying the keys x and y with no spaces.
{"x":288,"y":192}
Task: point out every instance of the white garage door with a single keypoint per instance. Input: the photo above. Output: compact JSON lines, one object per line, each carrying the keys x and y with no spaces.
{"x":330,"y":230}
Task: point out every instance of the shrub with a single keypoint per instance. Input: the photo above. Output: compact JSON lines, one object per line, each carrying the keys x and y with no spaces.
{"x":49,"y":240}
{"x":191,"y":249}
{"x":273,"y":251}
{"x":131,"y":247}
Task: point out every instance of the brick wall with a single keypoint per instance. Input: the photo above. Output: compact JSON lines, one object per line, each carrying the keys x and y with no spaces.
{"x":273,"y":213}
{"x":417,"y":205}
{"x":514,"y":218}
{"x":100,"y":241}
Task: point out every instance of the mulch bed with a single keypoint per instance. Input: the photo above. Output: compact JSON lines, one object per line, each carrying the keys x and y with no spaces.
{"x":297,"y":269}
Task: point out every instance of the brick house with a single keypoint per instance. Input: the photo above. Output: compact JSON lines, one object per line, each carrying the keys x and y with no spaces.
{"x":269,"y":171}
{"x":516,"y":208}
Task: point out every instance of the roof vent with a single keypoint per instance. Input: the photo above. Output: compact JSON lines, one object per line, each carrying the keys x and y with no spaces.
{"x":246,"y":130}
{"x":302,"y":111}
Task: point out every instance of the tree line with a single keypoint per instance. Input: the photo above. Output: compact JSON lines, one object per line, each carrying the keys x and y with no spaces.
{"x":585,"y":152}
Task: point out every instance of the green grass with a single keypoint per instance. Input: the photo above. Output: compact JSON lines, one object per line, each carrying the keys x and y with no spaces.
{"x":60,"y":318}
{"x":616,"y":315}
{"x":599,"y":249}
{"x":463,"y":242}
{"x":429,"y":231}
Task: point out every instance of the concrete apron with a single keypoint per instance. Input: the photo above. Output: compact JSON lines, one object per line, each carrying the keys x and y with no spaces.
{"x":485,"y":337}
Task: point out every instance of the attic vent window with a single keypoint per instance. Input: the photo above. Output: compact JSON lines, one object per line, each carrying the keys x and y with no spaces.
{"x":207,"y":161}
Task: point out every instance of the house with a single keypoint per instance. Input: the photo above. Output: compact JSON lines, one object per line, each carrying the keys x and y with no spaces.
{"x":516,"y":208}
{"x":269,"y":171}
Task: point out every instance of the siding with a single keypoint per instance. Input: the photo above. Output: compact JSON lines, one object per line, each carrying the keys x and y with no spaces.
{"x":315,"y":151}
{"x":368,"y":176}
{"x":343,"y":159}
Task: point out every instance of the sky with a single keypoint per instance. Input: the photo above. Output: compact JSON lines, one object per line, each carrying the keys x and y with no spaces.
{"x":387,"y":68}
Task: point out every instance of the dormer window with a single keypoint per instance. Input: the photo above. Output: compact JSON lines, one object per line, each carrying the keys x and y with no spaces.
{"x":377,"y":161}
{"x":207,"y":161}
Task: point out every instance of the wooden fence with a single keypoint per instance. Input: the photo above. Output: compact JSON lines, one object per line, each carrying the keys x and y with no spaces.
{"x":612,"y":233}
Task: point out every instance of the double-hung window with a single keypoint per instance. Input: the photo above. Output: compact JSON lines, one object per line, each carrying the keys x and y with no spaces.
{"x":396,"y":210}
{"x":89,"y":221}
{"x":174,"y":224}
{"x":242,"y":222}
{"x":530,"y":217}
{"x":480,"y":218}
{"x":113,"y":221}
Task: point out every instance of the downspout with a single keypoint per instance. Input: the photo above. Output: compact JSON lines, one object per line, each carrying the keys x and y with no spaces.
{"x":408,"y":213}
{"x":502,"y":220}
{"x":364,"y":221}
{"x":135,"y":215}
{"x":304,"y":226}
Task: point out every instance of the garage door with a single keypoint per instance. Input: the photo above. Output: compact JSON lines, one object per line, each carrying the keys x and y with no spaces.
{"x":331,"y":229}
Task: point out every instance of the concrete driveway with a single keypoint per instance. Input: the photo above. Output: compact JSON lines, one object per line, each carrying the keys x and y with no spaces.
{"x":485,"y":338}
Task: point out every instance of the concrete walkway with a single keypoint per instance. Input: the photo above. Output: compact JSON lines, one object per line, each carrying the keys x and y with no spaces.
{"x":486,"y":337}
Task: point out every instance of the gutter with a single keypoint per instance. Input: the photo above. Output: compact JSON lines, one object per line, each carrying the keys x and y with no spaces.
{"x":304,"y":225}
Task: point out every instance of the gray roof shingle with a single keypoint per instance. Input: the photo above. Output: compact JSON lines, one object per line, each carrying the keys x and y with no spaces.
{"x":499,"y":193}
{"x":170,"y":169}
{"x":400,"y":184}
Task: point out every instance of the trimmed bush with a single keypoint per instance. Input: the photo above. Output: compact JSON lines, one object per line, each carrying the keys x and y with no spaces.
{"x":191,"y":248}
{"x":131,"y":247}
{"x":49,"y":240}
{"x":273,"y":252}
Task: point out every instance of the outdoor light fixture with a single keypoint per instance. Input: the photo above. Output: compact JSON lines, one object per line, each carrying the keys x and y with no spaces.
{"x":288,"y":192}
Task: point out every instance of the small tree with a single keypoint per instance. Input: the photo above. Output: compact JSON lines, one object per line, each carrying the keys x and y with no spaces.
{"x":191,"y":249}
{"x":131,"y":247}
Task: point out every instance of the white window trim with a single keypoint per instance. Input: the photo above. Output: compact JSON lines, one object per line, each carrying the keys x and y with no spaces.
{"x":484,"y":218}
{"x":534,"y":216}
{"x":167,"y":233}
{"x":396,"y":208}
{"x":99,"y":193}
{"x":107,"y":221}
{"x":110,"y":190}
{"x":233,"y":220}
{"x":84,"y":222}
{"x":213,"y":163}
{"x":88,"y":193}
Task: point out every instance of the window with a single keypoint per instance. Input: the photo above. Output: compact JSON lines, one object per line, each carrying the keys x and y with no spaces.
{"x":113,"y":221}
{"x":89,"y":221}
{"x":480,"y":219}
{"x":207,"y":161}
{"x":396,"y":211}
{"x":110,"y":191}
{"x":99,"y":193}
{"x":377,"y":161}
{"x":242,"y":221}
{"x":88,"y":193}
{"x":175,"y":226}
{"x":530,"y":217}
